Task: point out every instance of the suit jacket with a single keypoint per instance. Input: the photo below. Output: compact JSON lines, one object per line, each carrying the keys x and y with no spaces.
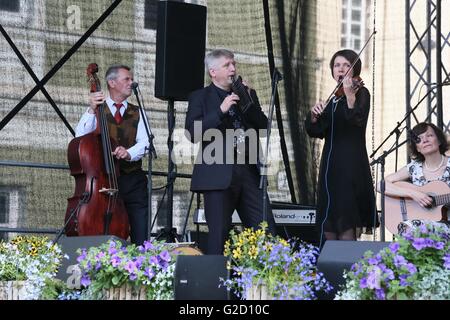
{"x":204,"y":106}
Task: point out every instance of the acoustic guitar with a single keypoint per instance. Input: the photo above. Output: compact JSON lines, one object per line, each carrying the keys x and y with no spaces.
{"x":400,"y":209}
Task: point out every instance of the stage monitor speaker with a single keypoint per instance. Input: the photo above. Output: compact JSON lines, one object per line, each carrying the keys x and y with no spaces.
{"x":306,"y":233}
{"x":70,"y":245}
{"x":180,"y":49}
{"x":198,"y":278}
{"x":337,"y":256}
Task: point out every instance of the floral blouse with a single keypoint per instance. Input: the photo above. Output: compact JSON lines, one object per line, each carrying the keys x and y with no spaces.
{"x":415,"y":169}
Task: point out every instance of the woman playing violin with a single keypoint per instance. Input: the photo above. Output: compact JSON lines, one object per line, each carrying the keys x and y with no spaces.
{"x":346,"y":200}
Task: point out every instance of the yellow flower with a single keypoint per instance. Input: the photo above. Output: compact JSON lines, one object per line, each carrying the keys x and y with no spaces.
{"x":253,"y":252}
{"x":237,"y":253}
{"x":284,"y":243}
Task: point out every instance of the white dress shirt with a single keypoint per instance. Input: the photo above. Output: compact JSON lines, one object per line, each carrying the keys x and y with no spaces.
{"x":88,"y":123}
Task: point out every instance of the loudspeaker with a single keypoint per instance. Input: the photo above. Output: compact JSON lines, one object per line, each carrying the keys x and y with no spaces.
{"x":306,"y":233}
{"x":198,"y":278}
{"x":180,"y":49}
{"x":337,"y":256}
{"x":70,"y":245}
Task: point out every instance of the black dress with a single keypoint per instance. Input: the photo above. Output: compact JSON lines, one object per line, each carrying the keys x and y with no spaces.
{"x":346,"y":197}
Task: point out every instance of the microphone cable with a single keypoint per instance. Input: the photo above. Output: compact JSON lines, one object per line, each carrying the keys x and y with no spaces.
{"x":333,"y":109}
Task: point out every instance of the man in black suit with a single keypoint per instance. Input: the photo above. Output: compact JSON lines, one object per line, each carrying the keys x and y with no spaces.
{"x":226,"y":170}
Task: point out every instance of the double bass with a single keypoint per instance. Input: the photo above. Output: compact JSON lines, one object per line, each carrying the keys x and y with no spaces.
{"x":95,"y":208}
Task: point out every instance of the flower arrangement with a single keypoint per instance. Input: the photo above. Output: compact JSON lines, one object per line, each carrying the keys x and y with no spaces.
{"x":111,"y":265}
{"x":416,"y":266}
{"x":287,"y":269}
{"x":34,"y":260}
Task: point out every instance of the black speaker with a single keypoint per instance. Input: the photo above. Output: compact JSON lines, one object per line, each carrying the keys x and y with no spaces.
{"x":180,"y":49}
{"x":70,"y":245}
{"x":306,"y":233}
{"x":198,"y":278}
{"x":337,"y":256}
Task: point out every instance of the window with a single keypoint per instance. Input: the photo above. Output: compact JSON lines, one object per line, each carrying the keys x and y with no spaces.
{"x":4,"y":212}
{"x":4,"y":207}
{"x":10,"y":5}
{"x":9,"y":208}
{"x":150,"y":14}
{"x":353,"y":24}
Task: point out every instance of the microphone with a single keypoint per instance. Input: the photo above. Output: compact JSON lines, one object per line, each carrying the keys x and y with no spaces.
{"x":412,"y":137}
{"x":134,"y":85}
{"x":278,"y":75}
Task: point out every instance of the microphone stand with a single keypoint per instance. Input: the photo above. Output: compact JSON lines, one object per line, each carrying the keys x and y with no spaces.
{"x":277,"y":77}
{"x":396,"y":129}
{"x":382,"y":161}
{"x":151,"y":154}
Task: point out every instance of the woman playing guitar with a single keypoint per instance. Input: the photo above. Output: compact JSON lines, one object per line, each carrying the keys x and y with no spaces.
{"x":421,"y":189}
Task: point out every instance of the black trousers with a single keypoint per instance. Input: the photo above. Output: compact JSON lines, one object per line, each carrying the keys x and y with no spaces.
{"x":133,"y":191}
{"x":242,"y":195}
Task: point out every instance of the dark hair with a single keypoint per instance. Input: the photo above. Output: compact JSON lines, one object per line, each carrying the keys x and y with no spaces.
{"x":421,"y":128}
{"x":351,"y":56}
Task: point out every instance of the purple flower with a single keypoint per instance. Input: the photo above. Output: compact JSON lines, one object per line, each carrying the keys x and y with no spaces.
{"x":363,"y":283}
{"x":164,"y":256}
{"x":163,"y":265}
{"x":85,"y":280}
{"x":373,"y":261}
{"x":112,"y":248}
{"x":153,"y":260}
{"x":149,"y":273}
{"x":447,"y":261}
{"x":82,"y":255}
{"x":403,"y":280}
{"x":148,"y":246}
{"x":133,"y":276}
{"x":394,"y":246}
{"x":419,"y":243}
{"x":100,"y":255}
{"x":389,"y":274}
{"x":130,"y":266}
{"x":439,"y":245}
{"x":399,"y":261}
{"x":411,"y":268}
{"x":380,"y":295}
{"x":115,"y":261}
{"x":373,"y":278}
{"x":139,"y":261}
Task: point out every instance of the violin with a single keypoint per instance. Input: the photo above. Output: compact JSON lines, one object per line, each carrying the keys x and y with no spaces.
{"x":357,"y":83}
{"x":95,"y":208}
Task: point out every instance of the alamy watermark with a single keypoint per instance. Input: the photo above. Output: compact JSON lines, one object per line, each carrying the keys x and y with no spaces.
{"x":232,"y":146}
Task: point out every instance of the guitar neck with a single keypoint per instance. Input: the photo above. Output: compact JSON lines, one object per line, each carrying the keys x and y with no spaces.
{"x":442,"y":199}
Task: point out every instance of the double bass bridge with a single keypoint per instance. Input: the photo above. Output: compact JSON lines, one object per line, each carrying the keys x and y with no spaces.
{"x":109,"y":191}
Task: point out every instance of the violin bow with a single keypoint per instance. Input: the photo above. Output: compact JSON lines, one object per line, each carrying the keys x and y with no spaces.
{"x":351,"y":67}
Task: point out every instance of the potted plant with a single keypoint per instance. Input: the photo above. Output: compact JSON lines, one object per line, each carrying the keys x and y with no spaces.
{"x":28,"y":266}
{"x":268,"y":267}
{"x":415,"y":266}
{"x":111,"y":271}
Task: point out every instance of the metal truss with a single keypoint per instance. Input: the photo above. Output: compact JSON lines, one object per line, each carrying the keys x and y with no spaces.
{"x":424,"y":41}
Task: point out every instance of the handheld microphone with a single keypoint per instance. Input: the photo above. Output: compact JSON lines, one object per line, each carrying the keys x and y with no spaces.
{"x":134,"y":85}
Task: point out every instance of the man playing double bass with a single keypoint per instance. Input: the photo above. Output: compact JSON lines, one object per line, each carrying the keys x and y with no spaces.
{"x":126,"y":127}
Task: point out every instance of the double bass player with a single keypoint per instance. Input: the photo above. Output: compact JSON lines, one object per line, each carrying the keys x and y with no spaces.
{"x":126,"y":127}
